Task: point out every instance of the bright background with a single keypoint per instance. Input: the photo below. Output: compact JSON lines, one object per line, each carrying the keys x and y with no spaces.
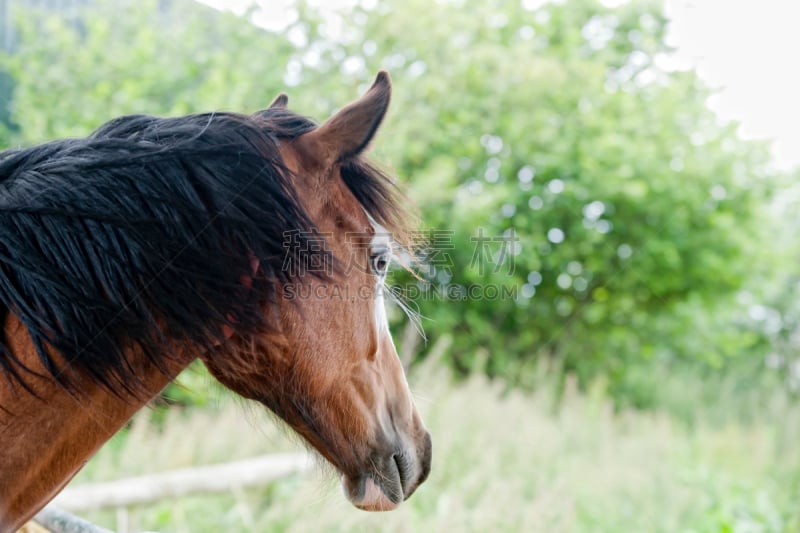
{"x":745,"y":49}
{"x":736,"y":46}
{"x":633,"y":362}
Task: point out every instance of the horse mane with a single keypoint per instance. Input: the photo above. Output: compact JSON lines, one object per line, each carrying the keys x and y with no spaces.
{"x":139,"y":235}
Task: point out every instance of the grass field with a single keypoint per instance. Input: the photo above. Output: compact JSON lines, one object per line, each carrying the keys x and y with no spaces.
{"x":502,"y":462}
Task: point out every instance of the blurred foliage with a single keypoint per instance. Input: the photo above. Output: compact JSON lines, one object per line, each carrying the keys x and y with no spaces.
{"x":503,"y":463}
{"x":636,"y":227}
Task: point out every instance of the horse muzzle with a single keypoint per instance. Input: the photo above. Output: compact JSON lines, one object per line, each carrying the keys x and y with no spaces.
{"x":391,"y":477}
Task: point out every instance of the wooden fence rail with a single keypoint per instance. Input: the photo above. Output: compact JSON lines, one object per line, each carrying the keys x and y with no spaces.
{"x":59,"y":521}
{"x":202,"y":479}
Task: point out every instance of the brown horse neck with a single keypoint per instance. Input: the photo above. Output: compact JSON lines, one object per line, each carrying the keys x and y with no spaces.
{"x":46,"y":440}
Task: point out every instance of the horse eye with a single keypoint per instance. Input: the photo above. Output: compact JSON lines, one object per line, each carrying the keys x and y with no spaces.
{"x":380,"y":262}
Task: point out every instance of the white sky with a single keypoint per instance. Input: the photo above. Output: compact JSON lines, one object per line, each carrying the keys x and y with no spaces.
{"x":746,"y":49}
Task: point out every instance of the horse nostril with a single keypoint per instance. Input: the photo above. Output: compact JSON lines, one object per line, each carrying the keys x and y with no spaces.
{"x":405,"y":472}
{"x":426,"y":456}
{"x":401,"y":472}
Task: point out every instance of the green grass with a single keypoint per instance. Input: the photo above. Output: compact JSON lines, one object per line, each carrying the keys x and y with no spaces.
{"x":503,"y":461}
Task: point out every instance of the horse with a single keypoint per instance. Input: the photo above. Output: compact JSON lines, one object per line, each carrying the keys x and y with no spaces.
{"x":258,"y":244}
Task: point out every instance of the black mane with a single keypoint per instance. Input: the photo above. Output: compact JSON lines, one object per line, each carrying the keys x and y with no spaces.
{"x":141,"y":233}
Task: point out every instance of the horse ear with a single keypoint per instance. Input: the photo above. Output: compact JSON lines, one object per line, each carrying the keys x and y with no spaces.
{"x":348,"y":132}
{"x":281,"y":102}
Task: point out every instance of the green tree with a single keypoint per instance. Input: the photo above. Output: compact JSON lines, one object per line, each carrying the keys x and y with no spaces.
{"x":638,"y":213}
{"x":639,"y":217}
{"x":137,"y":57}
